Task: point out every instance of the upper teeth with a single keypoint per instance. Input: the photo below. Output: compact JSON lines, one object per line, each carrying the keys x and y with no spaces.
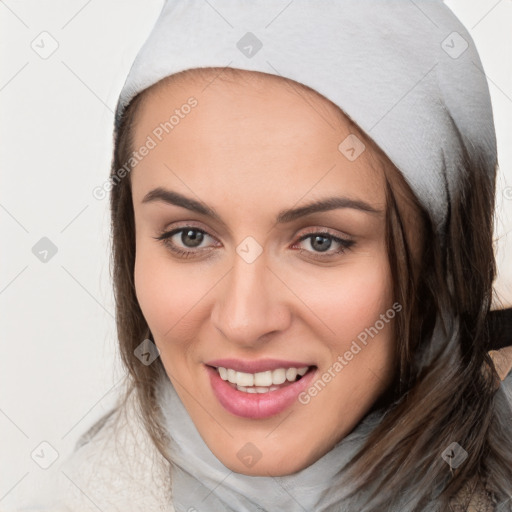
{"x":265,"y":379}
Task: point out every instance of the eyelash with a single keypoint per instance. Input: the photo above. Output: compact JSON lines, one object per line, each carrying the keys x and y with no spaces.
{"x":165,"y":236}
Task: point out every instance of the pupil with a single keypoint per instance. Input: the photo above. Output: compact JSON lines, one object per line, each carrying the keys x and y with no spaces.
{"x":196,"y":237}
{"x":321,"y":243}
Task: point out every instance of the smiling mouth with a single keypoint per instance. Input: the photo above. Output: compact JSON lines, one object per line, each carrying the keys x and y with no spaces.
{"x":262,"y":394}
{"x":262,"y":382}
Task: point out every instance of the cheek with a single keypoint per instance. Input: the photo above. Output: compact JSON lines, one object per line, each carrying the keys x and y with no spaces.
{"x":357,"y":307}
{"x":366,"y":296}
{"x":350,"y":303}
{"x":350,"y":298}
{"x":169,"y":295}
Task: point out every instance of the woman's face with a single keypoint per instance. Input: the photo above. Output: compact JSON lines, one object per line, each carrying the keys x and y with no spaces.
{"x":273,"y":260}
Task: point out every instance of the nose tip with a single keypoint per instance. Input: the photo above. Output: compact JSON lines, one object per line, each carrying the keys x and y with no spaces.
{"x":248,"y":306}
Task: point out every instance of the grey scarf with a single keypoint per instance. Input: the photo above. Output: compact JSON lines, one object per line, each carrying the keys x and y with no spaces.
{"x":201,"y":483}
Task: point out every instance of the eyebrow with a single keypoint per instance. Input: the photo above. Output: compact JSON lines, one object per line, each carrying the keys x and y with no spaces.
{"x":284,"y":216}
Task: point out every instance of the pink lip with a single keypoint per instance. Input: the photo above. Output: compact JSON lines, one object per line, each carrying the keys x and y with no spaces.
{"x":260,"y":365}
{"x":257,"y":405}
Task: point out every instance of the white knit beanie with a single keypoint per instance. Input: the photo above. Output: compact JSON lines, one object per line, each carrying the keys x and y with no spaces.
{"x":407,"y":73}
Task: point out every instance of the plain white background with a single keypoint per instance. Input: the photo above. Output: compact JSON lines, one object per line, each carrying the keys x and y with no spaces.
{"x":59,"y":369}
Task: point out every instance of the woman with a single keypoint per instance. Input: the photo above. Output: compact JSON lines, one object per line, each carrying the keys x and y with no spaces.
{"x":303,"y":268}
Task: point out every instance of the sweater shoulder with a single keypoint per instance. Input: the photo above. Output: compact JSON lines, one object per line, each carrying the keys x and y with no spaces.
{"x":474,"y":496}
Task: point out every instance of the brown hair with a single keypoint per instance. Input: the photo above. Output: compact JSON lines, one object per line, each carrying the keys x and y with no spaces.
{"x":427,"y":407}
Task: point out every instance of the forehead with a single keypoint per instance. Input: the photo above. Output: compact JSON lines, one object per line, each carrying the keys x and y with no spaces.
{"x":248,"y":127}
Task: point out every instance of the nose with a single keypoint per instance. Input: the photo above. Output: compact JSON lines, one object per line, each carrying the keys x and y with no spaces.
{"x":250,"y":304}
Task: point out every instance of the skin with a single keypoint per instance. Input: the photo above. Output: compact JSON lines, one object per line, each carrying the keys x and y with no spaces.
{"x":248,"y":151}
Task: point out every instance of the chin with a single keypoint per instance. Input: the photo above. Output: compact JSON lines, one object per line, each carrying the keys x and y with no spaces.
{"x":272,"y":465}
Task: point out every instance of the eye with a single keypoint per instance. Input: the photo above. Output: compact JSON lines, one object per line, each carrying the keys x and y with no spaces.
{"x":185,"y":241}
{"x":322,"y":243}
{"x":190,"y":241}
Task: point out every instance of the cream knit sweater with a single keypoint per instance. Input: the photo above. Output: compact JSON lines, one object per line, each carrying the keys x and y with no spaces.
{"x":116,"y":467}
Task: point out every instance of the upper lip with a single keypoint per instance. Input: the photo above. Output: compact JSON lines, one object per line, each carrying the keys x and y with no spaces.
{"x":256,"y":366}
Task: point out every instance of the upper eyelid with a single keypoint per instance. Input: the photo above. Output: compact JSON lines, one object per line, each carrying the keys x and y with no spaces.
{"x":168,"y":233}
{"x":328,"y":231}
{"x":310,"y":230}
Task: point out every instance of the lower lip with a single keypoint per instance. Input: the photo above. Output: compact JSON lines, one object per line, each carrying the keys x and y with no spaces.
{"x":256,"y":405}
